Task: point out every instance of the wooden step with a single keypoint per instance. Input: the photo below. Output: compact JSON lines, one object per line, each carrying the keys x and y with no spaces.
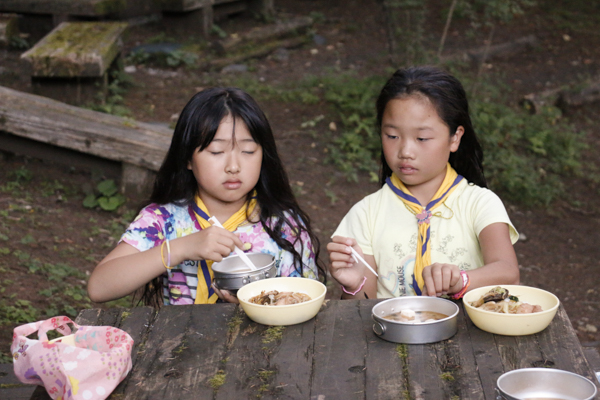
{"x":76,"y":49}
{"x":71,"y":63}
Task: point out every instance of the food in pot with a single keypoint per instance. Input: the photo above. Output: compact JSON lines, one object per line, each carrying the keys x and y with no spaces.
{"x":499,"y":300}
{"x":276,"y":298}
{"x":415,"y":317}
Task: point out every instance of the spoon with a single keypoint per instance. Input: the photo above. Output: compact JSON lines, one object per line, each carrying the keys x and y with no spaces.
{"x":357,"y":257}
{"x":237,"y":250}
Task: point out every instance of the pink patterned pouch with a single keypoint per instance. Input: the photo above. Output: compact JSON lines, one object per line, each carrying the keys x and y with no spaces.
{"x":86,"y":364}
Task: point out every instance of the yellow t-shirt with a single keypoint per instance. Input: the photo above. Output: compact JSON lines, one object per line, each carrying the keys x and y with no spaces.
{"x":387,"y":230}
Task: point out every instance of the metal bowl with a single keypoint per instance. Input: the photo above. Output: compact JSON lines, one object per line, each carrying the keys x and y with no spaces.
{"x":410,"y":333}
{"x":232,"y":273}
{"x":544,"y":383}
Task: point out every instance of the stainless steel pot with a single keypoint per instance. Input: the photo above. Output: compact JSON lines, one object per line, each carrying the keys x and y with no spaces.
{"x":232,"y":273}
{"x":426,"y":332}
{"x":544,"y":383}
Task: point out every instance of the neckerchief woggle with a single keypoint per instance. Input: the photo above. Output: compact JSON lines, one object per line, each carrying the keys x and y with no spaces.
{"x":205,"y":294}
{"x":424,"y":214}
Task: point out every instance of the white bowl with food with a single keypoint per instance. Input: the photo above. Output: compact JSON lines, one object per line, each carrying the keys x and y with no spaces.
{"x":511,"y":310}
{"x":282,"y":300}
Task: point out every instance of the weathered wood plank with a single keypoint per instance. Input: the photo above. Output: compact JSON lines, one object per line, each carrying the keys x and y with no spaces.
{"x":292,"y":359}
{"x":40,"y":393}
{"x":487,"y":358}
{"x":103,"y":135}
{"x":425,"y":376}
{"x":177,"y":371}
{"x":470,"y":388}
{"x":560,"y":353}
{"x":340,"y":351}
{"x":517,"y":352}
{"x":593,"y":358}
{"x":76,"y":49}
{"x":11,"y":387}
{"x":384,"y":363}
{"x":89,"y":8}
{"x":247,"y":369}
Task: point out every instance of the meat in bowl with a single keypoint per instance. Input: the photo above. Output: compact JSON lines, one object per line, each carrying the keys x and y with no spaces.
{"x":276,"y":298}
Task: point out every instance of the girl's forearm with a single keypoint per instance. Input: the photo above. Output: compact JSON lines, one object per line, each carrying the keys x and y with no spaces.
{"x":126,"y":269}
{"x":122,"y":274}
{"x":495,"y":273}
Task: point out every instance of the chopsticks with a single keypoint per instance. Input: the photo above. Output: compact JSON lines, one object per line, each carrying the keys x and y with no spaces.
{"x":357,"y":257}
{"x":237,"y":250}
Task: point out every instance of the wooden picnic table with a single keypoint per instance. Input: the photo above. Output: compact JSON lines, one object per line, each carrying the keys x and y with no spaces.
{"x":216,"y":352}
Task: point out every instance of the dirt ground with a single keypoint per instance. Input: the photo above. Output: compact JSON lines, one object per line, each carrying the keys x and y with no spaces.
{"x":559,"y":250}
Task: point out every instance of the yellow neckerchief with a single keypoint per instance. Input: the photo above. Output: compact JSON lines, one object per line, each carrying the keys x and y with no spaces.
{"x":423,"y":256}
{"x":204,"y":292}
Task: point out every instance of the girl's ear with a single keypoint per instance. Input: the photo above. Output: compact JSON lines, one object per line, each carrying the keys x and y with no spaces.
{"x":455,"y":139}
{"x":189,"y":165}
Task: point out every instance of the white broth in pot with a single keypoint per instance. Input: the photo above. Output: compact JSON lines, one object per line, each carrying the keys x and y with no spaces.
{"x":415,"y":317}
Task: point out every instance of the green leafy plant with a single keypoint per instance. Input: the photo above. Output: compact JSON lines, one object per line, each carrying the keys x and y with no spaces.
{"x":111,"y":100}
{"x":18,"y":311}
{"x":217,"y":30}
{"x":178,"y":58}
{"x":526,"y":157}
{"x":18,"y":42}
{"x":106,"y":196}
{"x":186,"y":56}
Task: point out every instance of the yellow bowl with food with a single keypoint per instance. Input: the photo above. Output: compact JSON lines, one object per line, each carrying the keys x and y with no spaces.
{"x":494,"y":310}
{"x":282,"y":300}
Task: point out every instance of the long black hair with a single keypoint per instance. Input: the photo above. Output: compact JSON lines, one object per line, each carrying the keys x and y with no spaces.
{"x":448,"y":96}
{"x":195,"y":130}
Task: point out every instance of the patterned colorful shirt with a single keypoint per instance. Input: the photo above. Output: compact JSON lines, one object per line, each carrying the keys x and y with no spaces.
{"x":157,"y":222}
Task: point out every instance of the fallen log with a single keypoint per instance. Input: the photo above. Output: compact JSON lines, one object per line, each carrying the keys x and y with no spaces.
{"x":261,"y":51}
{"x":503,"y":49}
{"x":494,"y":51}
{"x":261,"y":34}
{"x":562,"y":97}
{"x":577,"y":98}
{"x":534,"y":102}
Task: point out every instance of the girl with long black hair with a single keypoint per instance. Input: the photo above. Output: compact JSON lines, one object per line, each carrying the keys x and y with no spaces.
{"x":222,"y":162}
{"x":433,"y":228}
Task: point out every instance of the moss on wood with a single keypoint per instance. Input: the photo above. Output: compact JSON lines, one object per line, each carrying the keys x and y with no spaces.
{"x":76,"y":49}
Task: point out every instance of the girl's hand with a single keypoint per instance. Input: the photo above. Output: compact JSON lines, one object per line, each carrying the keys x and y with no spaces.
{"x":343,"y":267}
{"x":225,"y":295}
{"x":212,"y":243}
{"x":442,"y":279}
